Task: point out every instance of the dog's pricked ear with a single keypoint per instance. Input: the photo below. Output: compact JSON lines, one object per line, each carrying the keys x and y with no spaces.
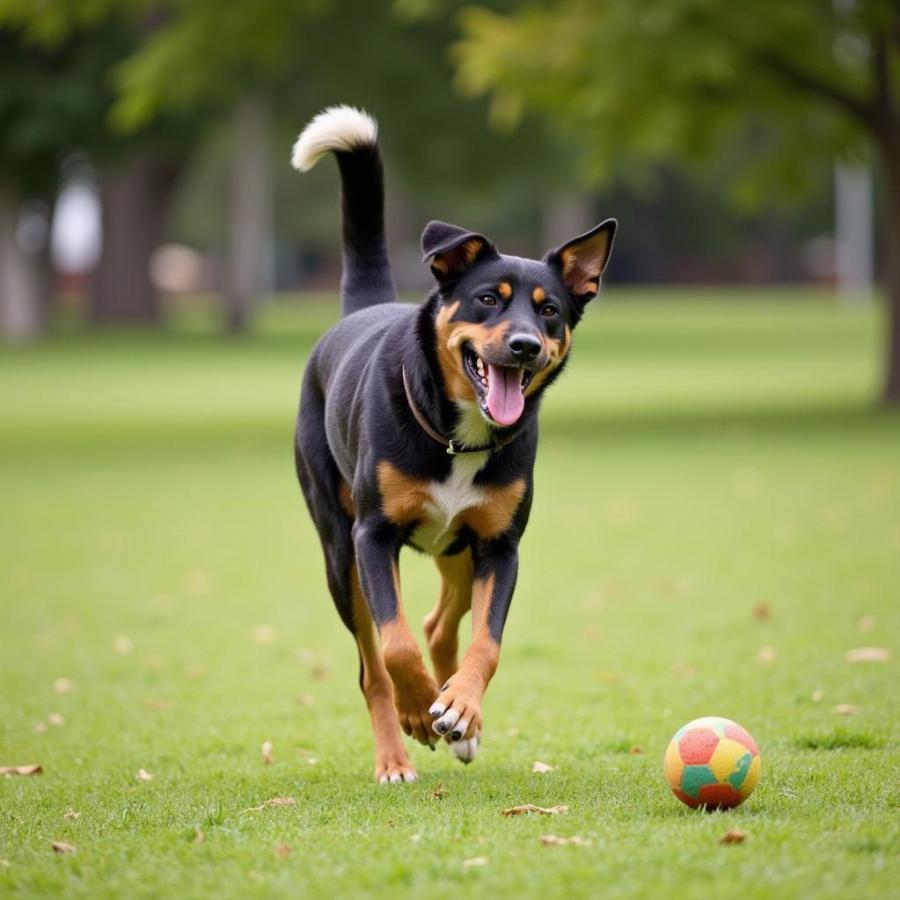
{"x":581,"y":261}
{"x":452,"y":249}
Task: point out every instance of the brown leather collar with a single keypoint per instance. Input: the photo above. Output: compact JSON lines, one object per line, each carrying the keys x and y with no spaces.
{"x":453,"y":446}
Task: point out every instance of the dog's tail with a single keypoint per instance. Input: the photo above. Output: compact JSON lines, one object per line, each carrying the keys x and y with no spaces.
{"x":352,"y":135}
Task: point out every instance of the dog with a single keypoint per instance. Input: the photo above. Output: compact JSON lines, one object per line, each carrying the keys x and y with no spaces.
{"x":418,"y":426}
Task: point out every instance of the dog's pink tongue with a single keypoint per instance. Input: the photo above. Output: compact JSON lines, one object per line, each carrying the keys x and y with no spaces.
{"x":505,"y":400}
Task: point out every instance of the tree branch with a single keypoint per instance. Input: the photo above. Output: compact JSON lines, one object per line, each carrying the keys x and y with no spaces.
{"x":795,"y":75}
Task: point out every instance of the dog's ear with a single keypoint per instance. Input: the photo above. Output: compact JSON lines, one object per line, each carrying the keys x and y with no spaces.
{"x":452,"y":249}
{"x":582,"y":260}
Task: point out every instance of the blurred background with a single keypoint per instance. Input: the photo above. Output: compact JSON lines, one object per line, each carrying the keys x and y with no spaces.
{"x":144,"y":147}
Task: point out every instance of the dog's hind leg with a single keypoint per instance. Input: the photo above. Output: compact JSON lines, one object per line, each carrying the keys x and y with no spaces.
{"x":331,"y":506}
{"x":442,"y":623}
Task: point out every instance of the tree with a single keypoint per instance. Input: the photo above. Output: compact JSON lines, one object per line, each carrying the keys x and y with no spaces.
{"x":786,"y":82}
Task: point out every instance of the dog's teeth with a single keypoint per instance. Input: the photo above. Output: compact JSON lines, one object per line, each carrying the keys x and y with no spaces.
{"x":479,"y":365}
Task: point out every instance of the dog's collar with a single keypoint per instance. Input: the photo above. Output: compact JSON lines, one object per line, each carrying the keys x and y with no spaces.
{"x":452,"y":446}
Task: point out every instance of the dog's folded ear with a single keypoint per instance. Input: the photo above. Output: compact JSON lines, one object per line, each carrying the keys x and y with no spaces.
{"x":452,"y":249}
{"x":582,"y":260}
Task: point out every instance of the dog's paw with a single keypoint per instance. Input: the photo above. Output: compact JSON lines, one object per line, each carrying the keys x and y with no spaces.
{"x":457,"y":710}
{"x":395,"y":769}
{"x":412,"y":698}
{"x":466,"y":750}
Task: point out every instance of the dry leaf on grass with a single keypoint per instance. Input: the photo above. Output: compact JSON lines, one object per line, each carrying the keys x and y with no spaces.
{"x":868,"y":654}
{"x":283,"y":850}
{"x":71,"y":814}
{"x":526,"y":809}
{"x":541,"y":767}
{"x":63,"y":686}
{"x":264,"y":634}
{"x":123,"y":645}
{"x":143,"y":775}
{"x":56,"y":720}
{"x":438,"y":792}
{"x":34,"y":769}
{"x":156,"y":705}
{"x":762,"y":612}
{"x":635,"y":750}
{"x":275,"y":801}
{"x":62,"y":847}
{"x":267,"y":757}
{"x":734,"y":836}
{"x":845,"y":709}
{"x":765,"y":655}
{"x":475,"y":861}
{"x":554,"y":840}
{"x":817,"y":696}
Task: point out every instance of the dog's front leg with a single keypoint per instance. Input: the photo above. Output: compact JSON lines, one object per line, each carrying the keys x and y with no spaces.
{"x":377,"y":548}
{"x":457,"y":711}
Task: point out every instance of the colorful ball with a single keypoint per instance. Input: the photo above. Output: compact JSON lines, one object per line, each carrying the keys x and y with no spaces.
{"x":712,"y":762}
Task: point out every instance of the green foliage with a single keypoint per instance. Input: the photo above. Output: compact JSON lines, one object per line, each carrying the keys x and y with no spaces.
{"x":638,"y":83}
{"x":697,"y":458}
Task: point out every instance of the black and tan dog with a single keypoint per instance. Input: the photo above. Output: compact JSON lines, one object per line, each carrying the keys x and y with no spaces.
{"x":418,"y":427}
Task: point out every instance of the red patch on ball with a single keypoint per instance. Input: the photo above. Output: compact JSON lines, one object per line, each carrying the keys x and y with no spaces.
{"x":697,"y":746}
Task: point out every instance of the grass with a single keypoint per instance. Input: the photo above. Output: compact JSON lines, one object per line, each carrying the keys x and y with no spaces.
{"x":703,"y":457}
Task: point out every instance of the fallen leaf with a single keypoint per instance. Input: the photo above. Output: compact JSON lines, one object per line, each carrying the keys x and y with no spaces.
{"x":267,"y":757}
{"x":541,"y":767}
{"x":283,"y":850}
{"x":56,"y":720}
{"x":63,"y":686}
{"x":733,"y":836}
{"x":765,"y":655}
{"x":438,"y":792}
{"x":475,"y":861}
{"x":264,"y":634}
{"x":868,"y":654}
{"x":866,"y":623}
{"x":762,"y":612}
{"x":275,"y":801}
{"x":123,"y":645}
{"x":318,"y":673}
{"x":62,"y":847}
{"x":845,"y":709}
{"x":35,"y":769}
{"x":528,"y":808}
{"x":817,"y":696}
{"x":156,"y":705}
{"x":143,"y":775}
{"x":551,"y":840}
{"x":580,"y":841}
{"x":635,"y":750}
{"x":71,"y":814}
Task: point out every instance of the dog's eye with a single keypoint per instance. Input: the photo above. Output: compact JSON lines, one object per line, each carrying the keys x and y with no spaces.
{"x":487,"y":300}
{"x":549,"y":311}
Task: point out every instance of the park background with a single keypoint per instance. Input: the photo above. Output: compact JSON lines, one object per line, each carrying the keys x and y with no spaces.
{"x":717,"y":520}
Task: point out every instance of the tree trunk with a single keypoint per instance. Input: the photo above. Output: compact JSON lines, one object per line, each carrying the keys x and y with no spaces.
{"x":135,"y":199}
{"x":249,"y":259}
{"x":24,"y":287}
{"x":892,"y":274}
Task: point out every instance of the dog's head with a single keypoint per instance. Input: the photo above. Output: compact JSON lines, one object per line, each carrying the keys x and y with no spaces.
{"x":503,"y":324}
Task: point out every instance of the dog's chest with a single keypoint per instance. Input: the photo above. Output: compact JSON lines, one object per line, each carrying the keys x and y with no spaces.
{"x":447,"y":500}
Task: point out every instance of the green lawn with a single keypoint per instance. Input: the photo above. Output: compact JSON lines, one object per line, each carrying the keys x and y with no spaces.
{"x":702,"y":456}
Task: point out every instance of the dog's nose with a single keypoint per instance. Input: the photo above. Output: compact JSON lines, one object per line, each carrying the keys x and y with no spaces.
{"x":524,"y":347}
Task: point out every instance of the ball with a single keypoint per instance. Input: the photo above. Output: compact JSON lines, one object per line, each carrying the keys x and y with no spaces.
{"x":712,"y":762}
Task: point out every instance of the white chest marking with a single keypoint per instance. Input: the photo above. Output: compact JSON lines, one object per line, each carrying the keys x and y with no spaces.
{"x":457,"y":493}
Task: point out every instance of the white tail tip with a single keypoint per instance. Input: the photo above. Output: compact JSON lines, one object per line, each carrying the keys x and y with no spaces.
{"x":335,"y":128}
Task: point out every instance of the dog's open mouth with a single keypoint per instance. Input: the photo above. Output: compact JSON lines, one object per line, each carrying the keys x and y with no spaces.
{"x":500,"y":389}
